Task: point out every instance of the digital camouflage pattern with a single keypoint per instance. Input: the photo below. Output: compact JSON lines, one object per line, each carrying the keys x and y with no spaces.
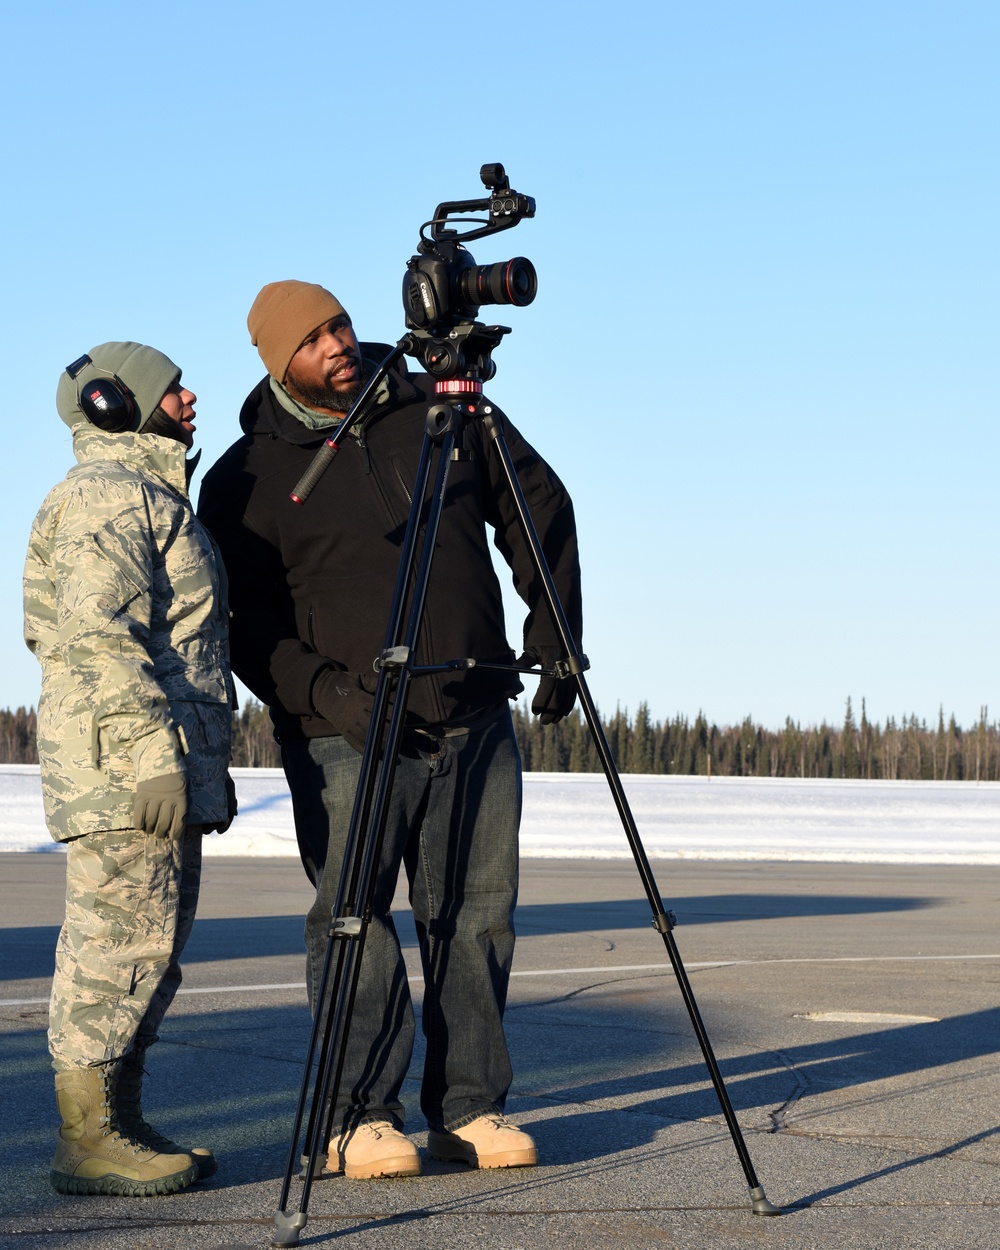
{"x":130,"y":906}
{"x":125,"y":608}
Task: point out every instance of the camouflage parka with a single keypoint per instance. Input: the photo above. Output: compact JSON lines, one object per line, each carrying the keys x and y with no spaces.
{"x":125,"y":608}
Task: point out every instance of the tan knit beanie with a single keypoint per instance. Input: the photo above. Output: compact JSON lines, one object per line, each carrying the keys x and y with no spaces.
{"x":282,"y":316}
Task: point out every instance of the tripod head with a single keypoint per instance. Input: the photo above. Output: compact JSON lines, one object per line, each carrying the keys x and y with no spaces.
{"x":466,"y":352}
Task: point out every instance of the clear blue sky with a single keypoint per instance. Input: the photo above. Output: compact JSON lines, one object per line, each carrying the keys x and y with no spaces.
{"x":763,"y":355}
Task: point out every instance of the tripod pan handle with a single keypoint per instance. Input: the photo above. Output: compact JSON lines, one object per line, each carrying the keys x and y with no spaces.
{"x":318,"y":466}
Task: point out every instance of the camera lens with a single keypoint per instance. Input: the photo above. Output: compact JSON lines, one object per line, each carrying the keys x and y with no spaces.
{"x":506,"y":282}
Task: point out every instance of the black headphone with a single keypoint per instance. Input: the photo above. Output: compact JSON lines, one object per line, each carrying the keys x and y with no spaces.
{"x":106,"y":401}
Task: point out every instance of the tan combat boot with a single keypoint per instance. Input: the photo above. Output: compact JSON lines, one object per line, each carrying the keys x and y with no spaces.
{"x":490,"y":1141}
{"x":130,"y":1117}
{"x":95,"y":1156}
{"x":371,"y":1149}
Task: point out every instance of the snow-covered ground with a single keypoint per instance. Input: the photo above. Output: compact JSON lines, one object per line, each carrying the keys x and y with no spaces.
{"x":573,"y":816}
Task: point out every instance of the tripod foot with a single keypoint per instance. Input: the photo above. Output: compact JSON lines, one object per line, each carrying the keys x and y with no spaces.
{"x":761,"y":1206}
{"x":319,"y":1167}
{"x":287,"y":1228}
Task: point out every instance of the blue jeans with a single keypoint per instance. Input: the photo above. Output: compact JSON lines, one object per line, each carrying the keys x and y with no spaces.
{"x":453,"y":821}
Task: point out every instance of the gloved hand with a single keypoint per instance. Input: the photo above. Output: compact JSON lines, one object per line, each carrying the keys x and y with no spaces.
{"x":555,"y":696}
{"x":161,"y":805}
{"x":341,"y":699}
{"x":232,"y":807}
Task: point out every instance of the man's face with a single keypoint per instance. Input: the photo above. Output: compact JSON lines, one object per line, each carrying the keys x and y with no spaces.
{"x":326,"y":371}
{"x":178,"y":404}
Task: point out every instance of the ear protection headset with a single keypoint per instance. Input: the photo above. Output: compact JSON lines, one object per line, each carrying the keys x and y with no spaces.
{"x":105,"y":401}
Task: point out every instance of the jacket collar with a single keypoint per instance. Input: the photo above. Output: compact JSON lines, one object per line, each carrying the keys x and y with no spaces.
{"x":263,"y":414}
{"x":151,"y":453}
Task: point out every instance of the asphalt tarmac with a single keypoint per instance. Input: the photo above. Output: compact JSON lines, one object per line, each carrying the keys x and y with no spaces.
{"x":853,"y":1010}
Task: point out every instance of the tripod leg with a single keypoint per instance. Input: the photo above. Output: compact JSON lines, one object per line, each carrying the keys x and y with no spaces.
{"x":355,"y":896}
{"x":663,"y":921}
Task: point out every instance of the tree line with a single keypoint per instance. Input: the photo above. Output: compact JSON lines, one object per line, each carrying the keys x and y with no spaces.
{"x":906,"y":750}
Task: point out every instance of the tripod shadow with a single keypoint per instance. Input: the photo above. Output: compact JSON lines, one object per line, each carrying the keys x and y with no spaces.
{"x":904,"y":1165}
{"x":755,"y":1079}
{"x":776,"y":1085}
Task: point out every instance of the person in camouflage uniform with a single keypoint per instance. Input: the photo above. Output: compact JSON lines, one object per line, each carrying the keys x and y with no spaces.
{"x":125,"y":609}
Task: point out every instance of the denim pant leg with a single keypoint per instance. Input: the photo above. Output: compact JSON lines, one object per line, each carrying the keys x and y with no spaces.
{"x":322,"y":775}
{"x":463,"y":872}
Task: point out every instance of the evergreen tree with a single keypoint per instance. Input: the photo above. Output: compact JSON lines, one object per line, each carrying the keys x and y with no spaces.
{"x":849,"y":745}
{"x":642,"y":744}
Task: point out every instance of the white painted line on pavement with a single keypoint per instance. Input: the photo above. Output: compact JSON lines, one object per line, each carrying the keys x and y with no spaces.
{"x":611,"y":968}
{"x":864,"y":1017}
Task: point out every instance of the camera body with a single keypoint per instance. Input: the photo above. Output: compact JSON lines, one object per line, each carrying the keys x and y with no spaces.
{"x":443,"y":287}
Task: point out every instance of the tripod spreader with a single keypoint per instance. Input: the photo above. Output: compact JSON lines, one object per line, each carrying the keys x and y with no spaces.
{"x":345,"y":927}
{"x":398,"y":658}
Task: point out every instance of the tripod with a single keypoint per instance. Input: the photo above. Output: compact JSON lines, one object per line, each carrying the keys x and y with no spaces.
{"x":462,"y":403}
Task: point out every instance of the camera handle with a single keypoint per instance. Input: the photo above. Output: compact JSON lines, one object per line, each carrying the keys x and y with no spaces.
{"x":356,"y":890}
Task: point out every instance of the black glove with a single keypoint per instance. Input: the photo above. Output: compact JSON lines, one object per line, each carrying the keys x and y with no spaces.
{"x":232,"y":807}
{"x":555,"y":696}
{"x":341,"y":699}
{"x":161,"y":805}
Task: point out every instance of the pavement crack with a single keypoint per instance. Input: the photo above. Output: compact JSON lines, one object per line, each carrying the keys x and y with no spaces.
{"x":915,"y":1146}
{"x":779,"y":1116}
{"x":616,"y":981}
{"x":240,"y":1051}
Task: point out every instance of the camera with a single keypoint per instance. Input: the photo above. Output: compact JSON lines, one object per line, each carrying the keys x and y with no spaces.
{"x":443,"y":287}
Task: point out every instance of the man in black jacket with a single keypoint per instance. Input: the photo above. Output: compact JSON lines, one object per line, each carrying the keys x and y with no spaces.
{"x":310,"y":590}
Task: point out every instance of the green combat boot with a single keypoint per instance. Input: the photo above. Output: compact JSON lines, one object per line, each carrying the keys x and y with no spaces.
{"x":131,"y":1119}
{"x":95,"y":1155}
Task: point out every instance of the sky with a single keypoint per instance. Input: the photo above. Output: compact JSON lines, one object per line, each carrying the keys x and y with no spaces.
{"x":763,"y":354}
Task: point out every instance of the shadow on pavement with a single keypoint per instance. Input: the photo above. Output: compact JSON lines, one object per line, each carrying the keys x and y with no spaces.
{"x":27,"y":952}
{"x":904,"y":1165}
{"x":230,"y":1079}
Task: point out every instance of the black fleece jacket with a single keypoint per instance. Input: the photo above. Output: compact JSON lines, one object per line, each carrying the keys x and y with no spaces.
{"x":311,"y":585}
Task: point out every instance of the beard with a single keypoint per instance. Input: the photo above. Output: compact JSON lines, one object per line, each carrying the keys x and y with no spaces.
{"x":326,"y":396}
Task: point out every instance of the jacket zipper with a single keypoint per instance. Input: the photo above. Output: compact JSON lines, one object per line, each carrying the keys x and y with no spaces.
{"x":359,"y":438}
{"x":403,"y":486}
{"x":424,"y":643}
